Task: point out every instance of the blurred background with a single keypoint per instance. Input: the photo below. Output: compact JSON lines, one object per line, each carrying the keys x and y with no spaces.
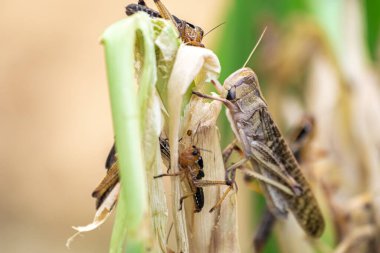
{"x":317,"y":58}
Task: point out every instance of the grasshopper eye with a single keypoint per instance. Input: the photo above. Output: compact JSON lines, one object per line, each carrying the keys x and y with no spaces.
{"x":231,"y":95}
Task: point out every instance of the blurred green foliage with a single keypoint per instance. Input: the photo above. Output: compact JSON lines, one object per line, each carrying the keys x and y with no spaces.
{"x":372,"y":22}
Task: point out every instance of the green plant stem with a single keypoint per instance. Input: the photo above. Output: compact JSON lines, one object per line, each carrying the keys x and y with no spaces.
{"x":119,"y":44}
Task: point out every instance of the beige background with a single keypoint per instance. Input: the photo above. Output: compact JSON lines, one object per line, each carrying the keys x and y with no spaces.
{"x":55,"y":125}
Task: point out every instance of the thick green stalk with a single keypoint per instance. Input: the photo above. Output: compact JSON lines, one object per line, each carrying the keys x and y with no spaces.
{"x":119,"y":44}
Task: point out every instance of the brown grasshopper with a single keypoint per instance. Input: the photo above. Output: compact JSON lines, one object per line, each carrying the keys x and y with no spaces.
{"x":189,"y":33}
{"x":191,"y":171}
{"x":267,"y":151}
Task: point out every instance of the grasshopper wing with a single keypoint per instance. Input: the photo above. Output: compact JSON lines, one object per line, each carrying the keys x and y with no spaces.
{"x":274,"y":159}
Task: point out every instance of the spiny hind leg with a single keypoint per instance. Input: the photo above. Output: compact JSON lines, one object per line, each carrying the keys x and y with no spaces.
{"x":269,"y":181}
{"x":268,"y":160}
{"x":231,"y":171}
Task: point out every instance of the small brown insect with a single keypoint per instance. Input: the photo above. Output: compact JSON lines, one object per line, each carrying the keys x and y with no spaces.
{"x":191,"y":170}
{"x":189,"y":33}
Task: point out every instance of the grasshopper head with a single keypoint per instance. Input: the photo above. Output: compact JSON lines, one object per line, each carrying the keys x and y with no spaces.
{"x":242,"y":83}
{"x":192,"y":35}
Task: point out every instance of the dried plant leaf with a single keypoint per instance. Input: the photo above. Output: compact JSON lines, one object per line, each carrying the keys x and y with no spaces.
{"x":101,"y":214}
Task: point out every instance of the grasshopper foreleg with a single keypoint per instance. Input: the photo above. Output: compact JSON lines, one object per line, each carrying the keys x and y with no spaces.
{"x":225,"y":101}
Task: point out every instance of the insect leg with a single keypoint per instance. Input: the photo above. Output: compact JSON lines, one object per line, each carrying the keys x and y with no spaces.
{"x":204,"y":183}
{"x":183,"y":198}
{"x":164,"y":12}
{"x":220,"y":201}
{"x":229,"y":149}
{"x":219,"y":87}
{"x":264,"y":156}
{"x":267,"y":222}
{"x":169,"y":175}
{"x":228,"y":181}
{"x":269,"y":181}
{"x":229,"y":104}
{"x":231,"y":172}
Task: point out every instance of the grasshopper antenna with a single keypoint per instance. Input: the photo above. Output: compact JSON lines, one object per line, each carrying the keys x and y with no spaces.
{"x":253,"y":50}
{"x":214,"y":29}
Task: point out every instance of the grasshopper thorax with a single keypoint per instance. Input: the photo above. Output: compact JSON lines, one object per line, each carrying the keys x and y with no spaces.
{"x":242,"y":83}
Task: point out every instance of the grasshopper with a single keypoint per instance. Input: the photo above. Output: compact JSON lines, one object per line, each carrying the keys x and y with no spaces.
{"x":191,"y":171}
{"x":265,"y":148}
{"x":189,"y":33}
